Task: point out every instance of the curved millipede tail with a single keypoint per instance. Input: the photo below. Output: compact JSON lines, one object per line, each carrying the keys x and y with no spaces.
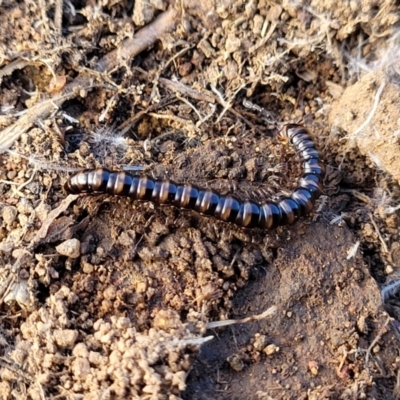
{"x":228,"y":208}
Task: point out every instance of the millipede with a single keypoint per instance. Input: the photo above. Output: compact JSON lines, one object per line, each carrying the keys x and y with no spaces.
{"x":227,"y":208}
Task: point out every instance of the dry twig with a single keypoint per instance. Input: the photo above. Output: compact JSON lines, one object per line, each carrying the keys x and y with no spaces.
{"x":375,"y":341}
{"x":129,"y":48}
{"x":268,"y":313}
{"x":185,"y":90}
{"x":384,"y":245}
{"x":145,"y":38}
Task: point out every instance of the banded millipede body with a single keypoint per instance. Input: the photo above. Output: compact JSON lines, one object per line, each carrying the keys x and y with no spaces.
{"x":228,"y":208}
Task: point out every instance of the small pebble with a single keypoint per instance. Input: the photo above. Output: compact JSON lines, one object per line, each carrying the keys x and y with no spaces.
{"x":80,"y":350}
{"x":9,"y":214}
{"x":65,"y":337}
{"x":22,"y":219}
{"x":389,"y":269}
{"x":313,"y":365}
{"x":235,"y":362}
{"x":24,"y":206}
{"x":70,"y":248}
{"x":232,"y":44}
{"x":271,"y":349}
{"x":259,"y":342}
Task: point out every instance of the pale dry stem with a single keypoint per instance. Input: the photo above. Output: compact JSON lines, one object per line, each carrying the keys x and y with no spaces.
{"x":371,"y":114}
{"x":266,"y":314}
{"x":381,"y":332}
{"x":384,"y":245}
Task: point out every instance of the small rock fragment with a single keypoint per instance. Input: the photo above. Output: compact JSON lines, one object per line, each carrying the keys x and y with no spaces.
{"x":232,"y":44}
{"x":167,"y":319}
{"x":24,"y":206}
{"x":235,"y":362}
{"x":271,"y":349}
{"x":65,"y":337}
{"x":80,"y":367}
{"x":70,"y":248}
{"x":313,"y":365}
{"x":260,"y":342}
{"x":9,"y":214}
{"x":80,"y":350}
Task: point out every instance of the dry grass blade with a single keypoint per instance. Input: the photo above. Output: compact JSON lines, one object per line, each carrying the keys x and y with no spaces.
{"x":373,"y":110}
{"x":268,"y":313}
{"x":186,"y":90}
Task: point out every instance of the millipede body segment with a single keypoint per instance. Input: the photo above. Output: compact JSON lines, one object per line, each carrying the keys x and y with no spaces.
{"x":228,"y":208}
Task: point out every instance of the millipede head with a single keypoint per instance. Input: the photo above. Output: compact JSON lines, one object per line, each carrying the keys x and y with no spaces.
{"x":77,"y":183}
{"x":283,"y":135}
{"x":68,"y":188}
{"x":289,"y":131}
